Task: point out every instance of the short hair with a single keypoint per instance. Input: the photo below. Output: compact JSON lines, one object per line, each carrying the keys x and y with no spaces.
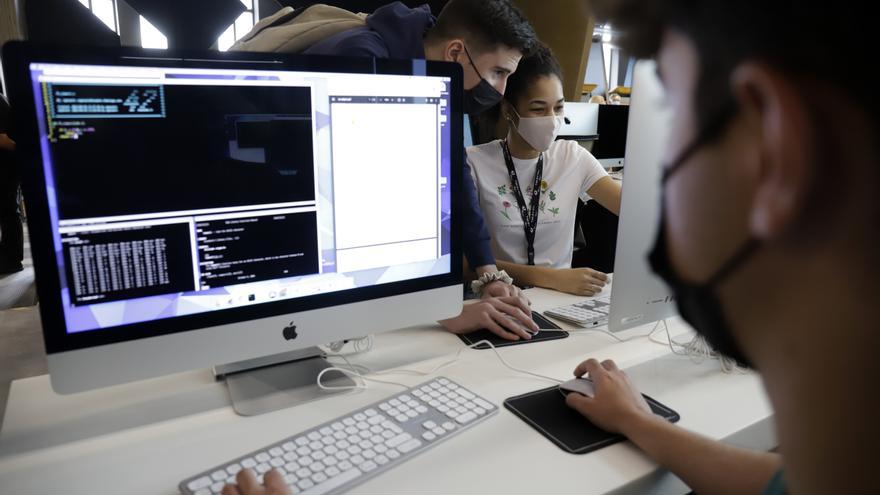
{"x":796,"y":37}
{"x":540,"y":63}
{"x":484,"y":24}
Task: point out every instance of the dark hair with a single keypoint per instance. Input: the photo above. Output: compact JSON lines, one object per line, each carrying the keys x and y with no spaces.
{"x":484,"y":24}
{"x":800,"y":38}
{"x":540,"y":63}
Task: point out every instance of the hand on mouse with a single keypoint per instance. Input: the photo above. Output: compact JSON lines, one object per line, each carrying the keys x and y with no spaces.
{"x":507,"y":317}
{"x":616,"y":403}
{"x":578,"y":281}
{"x":501,"y":289}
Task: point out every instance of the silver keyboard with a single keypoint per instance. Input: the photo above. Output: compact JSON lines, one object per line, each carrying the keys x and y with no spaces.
{"x":589,"y":313}
{"x":344,"y":452}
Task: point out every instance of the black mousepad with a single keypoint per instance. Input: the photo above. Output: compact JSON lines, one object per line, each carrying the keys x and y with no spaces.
{"x":549,"y":331}
{"x":545,"y":411}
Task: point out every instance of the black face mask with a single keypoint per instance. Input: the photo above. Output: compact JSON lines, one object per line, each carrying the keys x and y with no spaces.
{"x":698,"y":304}
{"x":481,"y":97}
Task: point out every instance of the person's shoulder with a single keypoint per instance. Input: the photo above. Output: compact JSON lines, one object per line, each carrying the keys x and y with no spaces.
{"x":357,"y":42}
{"x":485,"y":151}
{"x":566,"y":149}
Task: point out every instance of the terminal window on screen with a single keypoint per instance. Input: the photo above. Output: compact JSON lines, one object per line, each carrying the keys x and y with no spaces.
{"x":195,"y":148}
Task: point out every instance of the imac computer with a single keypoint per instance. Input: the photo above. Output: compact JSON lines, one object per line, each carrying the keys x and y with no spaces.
{"x":638,"y":296}
{"x":611,"y":145}
{"x":196,"y":209}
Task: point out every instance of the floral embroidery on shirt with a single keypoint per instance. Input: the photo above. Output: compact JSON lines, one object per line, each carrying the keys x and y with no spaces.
{"x":542,"y":205}
{"x":554,"y":211}
{"x":506,"y":205}
{"x":502,"y":190}
{"x":544,"y":186}
{"x":552,"y":196}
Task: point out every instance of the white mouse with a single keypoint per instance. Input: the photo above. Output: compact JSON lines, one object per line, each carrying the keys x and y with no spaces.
{"x":583,"y":386}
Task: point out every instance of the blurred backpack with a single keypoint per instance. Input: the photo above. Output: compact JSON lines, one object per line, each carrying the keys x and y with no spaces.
{"x":294,"y":31}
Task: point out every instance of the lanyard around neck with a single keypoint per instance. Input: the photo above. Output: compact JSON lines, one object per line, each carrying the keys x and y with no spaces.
{"x":529,"y":214}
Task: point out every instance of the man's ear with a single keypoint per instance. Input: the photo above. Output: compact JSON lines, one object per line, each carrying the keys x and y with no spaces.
{"x":781,"y":129}
{"x":454,"y":50}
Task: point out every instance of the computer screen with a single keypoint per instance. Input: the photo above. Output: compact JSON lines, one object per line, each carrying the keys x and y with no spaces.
{"x":176,"y":191}
{"x":610,"y":147}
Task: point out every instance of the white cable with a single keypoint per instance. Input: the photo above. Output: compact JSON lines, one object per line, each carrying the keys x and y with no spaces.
{"x":586,"y":331}
{"x":353,"y":372}
{"x":698,"y":350}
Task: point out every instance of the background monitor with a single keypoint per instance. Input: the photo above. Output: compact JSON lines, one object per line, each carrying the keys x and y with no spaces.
{"x":638,"y":296}
{"x":582,"y":121}
{"x":610,"y":147}
{"x":194,"y":209}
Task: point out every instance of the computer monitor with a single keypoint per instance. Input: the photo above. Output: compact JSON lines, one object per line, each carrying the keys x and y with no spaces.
{"x":638,"y":296}
{"x":188,"y":209}
{"x":610,"y":147}
{"x":582,"y":121}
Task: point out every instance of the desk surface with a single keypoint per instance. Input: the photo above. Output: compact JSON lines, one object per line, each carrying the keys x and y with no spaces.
{"x":147,"y":436}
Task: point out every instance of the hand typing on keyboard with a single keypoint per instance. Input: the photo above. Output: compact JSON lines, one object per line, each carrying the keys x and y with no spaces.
{"x":248,"y":484}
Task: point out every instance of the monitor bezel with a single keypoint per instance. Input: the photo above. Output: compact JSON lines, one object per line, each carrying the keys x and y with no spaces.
{"x":17,"y":58}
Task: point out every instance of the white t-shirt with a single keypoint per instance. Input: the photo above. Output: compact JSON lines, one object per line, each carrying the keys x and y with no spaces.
{"x":569,"y":171}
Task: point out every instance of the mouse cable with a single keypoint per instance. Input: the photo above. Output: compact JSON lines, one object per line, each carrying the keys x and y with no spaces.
{"x":354,"y":372}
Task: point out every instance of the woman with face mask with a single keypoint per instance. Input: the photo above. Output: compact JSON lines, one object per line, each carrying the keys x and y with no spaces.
{"x":529,"y":183}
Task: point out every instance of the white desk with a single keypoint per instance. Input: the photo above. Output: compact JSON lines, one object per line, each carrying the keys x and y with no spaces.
{"x":143,"y":438}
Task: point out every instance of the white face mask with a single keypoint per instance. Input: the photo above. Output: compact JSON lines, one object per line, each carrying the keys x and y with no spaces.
{"x":539,"y":132}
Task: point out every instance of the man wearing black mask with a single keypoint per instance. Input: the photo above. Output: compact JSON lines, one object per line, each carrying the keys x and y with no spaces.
{"x":769,"y":235}
{"x":487,"y":38}
{"x":11,"y":236}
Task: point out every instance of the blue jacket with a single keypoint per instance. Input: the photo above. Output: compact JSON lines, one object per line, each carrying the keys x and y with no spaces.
{"x":397,"y":31}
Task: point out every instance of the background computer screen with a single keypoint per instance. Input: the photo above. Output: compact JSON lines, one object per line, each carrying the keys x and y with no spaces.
{"x":611,"y":127}
{"x":179,"y":191}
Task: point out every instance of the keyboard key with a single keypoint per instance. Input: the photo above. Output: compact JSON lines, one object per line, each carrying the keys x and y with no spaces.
{"x":305,"y":484}
{"x":429,"y":425}
{"x":402,"y":418}
{"x":276,"y":451}
{"x":289,"y":446}
{"x":485,"y":405}
{"x":398,"y":440}
{"x":248,"y":463}
{"x":200,"y":483}
{"x":466,"y":418}
{"x":360,"y":417}
{"x":375,"y":420}
{"x":290,"y":479}
{"x":345,"y":465}
{"x":428,"y":436}
{"x":408,"y":446}
{"x":233,"y":469}
{"x":357,"y":460}
{"x":337,"y":426}
{"x":368,"y":466}
{"x":332,"y":471}
{"x":448,"y":426}
{"x":263,"y":457}
{"x":370,"y":412}
{"x":421,"y":409}
{"x":392,"y":454}
{"x":203,"y":491}
{"x":439,"y":431}
{"x":276,"y":462}
{"x":218,"y":475}
{"x":412,"y":413}
{"x":479,"y":411}
{"x":303,"y":473}
{"x":216,"y":487}
{"x":262,"y":468}
{"x":349,"y":421}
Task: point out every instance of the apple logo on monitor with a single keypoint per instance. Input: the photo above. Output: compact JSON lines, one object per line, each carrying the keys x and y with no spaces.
{"x":289,"y":332}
